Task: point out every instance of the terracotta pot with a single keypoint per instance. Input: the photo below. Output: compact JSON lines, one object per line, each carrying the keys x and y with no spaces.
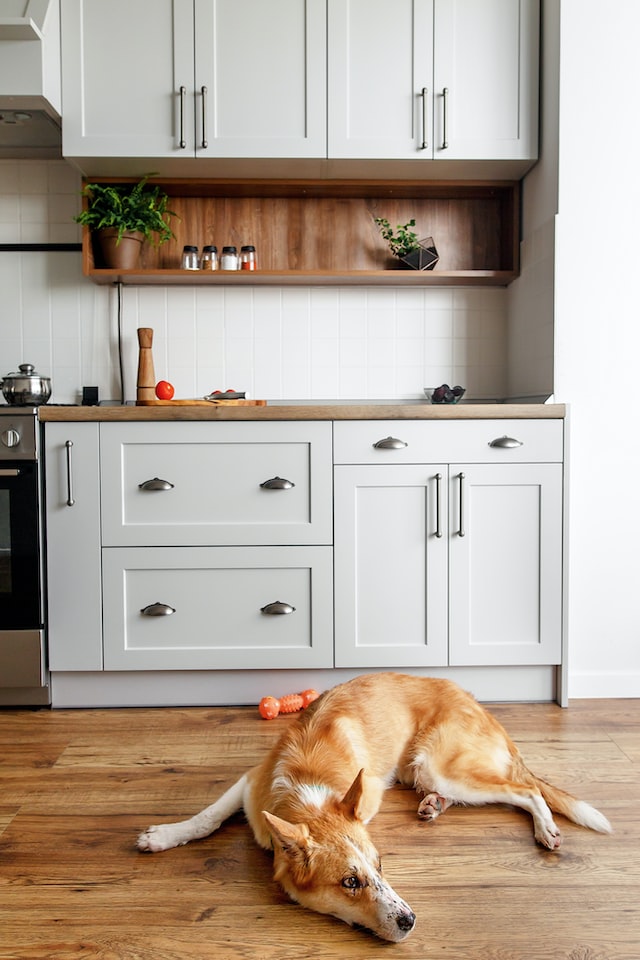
{"x":118,"y":256}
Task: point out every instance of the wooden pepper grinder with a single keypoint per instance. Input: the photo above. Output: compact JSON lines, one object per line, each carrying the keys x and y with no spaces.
{"x":146,"y":384}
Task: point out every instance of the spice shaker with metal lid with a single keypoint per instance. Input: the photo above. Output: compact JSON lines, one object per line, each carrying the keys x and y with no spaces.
{"x":209,"y":260}
{"x":189,"y":257}
{"x":248,"y":257}
{"x":229,"y":259}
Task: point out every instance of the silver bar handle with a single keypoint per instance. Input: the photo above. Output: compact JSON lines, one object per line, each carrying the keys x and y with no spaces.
{"x":277,"y":483}
{"x":461,"y":530}
{"x":70,"y":501}
{"x":183,"y":94}
{"x":425,"y":97}
{"x":157,"y":610}
{"x":9,"y":472}
{"x":438,"y":504}
{"x":390,"y":443}
{"x":445,"y":117}
{"x":156,"y":484}
{"x":277,"y":608}
{"x":205,"y":142}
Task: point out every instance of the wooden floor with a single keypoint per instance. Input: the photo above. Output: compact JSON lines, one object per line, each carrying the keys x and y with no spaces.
{"x":77,"y":786}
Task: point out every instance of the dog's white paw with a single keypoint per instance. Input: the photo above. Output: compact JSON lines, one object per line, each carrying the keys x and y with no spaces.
{"x":432,"y":806}
{"x":157,"y":838}
{"x":548,"y":835}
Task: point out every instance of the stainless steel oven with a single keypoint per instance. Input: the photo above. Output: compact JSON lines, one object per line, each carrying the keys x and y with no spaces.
{"x":24,"y":678}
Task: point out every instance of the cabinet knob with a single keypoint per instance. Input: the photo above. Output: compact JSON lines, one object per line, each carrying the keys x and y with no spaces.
{"x":155,"y":484}
{"x":157,"y":610}
{"x":506,"y":443}
{"x":277,"y":608}
{"x":277,"y":483}
{"x":390,"y":443}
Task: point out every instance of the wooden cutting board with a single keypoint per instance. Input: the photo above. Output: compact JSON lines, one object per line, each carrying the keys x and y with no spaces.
{"x":201,"y":403}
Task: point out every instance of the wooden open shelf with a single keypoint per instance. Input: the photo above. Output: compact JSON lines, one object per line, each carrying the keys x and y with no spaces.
{"x":322,"y":232}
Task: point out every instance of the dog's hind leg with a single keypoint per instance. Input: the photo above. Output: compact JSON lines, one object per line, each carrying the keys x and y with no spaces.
{"x":167,"y":835}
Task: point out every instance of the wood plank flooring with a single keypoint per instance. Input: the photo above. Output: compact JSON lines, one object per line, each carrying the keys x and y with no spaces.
{"x":76,"y":787}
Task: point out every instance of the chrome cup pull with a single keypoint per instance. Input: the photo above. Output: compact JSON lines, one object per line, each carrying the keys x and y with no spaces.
{"x":505,"y":443}
{"x":277,"y":608}
{"x":155,"y":484}
{"x":277,"y":483}
{"x":390,"y":443}
{"x":157,"y":610}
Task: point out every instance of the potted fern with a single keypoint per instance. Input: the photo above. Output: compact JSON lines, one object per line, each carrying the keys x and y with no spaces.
{"x":121,"y":217}
{"x":405,"y":245}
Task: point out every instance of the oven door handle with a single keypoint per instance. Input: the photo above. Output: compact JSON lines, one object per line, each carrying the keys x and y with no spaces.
{"x":9,"y":472}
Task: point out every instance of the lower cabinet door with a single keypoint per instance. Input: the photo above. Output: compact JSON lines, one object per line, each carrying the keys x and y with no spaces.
{"x":195,"y":608}
{"x":391,"y":565}
{"x":505,"y":561}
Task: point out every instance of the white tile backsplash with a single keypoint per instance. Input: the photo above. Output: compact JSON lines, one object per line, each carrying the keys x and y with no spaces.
{"x":322,"y":343}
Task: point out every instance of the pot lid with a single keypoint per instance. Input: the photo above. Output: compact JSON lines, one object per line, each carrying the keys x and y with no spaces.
{"x":25,"y":370}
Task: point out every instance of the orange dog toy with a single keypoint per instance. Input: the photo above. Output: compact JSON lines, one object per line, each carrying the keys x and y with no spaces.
{"x":270,"y":707}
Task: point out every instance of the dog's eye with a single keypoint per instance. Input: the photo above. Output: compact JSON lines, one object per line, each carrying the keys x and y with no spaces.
{"x":351,"y":883}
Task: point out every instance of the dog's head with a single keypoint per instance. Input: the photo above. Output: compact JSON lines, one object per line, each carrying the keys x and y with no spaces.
{"x":330,"y":865}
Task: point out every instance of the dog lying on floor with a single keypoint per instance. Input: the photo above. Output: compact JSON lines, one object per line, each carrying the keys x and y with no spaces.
{"x":324,"y":780}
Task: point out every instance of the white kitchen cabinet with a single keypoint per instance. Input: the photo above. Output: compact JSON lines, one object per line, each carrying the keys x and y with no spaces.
{"x":442,"y":559}
{"x":505,"y":563}
{"x":203,"y":483}
{"x":216,"y":608}
{"x":74,"y":571}
{"x":391,"y":565}
{"x":433,"y":79}
{"x":194,"y":78}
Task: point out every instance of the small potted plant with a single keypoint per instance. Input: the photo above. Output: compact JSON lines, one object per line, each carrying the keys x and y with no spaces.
{"x":122,"y":216}
{"x":405,"y":245}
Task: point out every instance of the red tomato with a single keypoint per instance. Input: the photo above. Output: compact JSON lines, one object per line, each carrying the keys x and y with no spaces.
{"x":164,"y":390}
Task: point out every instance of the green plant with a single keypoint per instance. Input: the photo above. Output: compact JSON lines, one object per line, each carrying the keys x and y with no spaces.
{"x":127,"y":207}
{"x":403,"y":241}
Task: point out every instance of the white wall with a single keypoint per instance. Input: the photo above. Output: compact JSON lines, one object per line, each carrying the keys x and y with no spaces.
{"x":597,"y":337}
{"x":277,"y":343}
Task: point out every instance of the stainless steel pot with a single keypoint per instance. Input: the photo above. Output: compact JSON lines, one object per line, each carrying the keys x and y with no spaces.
{"x":26,"y":388}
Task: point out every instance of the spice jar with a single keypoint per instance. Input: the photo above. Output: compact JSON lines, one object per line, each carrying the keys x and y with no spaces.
{"x":229,"y":259}
{"x":189,"y":258}
{"x":248,"y":258}
{"x":209,"y":259}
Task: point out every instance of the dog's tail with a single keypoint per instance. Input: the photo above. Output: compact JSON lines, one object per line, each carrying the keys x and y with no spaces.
{"x":569,"y":806}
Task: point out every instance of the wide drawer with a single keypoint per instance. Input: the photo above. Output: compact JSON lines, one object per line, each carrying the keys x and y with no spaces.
{"x":210,"y":608}
{"x":200,"y":483}
{"x":468,"y":441}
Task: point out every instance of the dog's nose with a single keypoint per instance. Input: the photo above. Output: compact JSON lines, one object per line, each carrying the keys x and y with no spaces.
{"x":406,"y":921}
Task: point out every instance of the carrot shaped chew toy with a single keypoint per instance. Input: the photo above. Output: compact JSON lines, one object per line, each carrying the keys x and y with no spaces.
{"x":270,"y":707}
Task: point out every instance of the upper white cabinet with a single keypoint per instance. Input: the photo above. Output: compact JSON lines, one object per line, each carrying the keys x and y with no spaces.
{"x":433,"y":79}
{"x":307,"y":79}
{"x":194,"y":78}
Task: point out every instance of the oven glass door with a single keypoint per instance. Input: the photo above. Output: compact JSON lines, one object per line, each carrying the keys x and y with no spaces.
{"x":20,"y":550}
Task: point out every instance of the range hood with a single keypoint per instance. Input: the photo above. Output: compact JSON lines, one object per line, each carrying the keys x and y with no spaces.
{"x":30,"y":96}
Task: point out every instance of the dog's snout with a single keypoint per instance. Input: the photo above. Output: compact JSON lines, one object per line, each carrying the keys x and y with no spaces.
{"x":406,"y":921}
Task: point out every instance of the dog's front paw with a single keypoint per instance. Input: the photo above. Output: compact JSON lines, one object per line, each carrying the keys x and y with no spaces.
{"x":157,"y":838}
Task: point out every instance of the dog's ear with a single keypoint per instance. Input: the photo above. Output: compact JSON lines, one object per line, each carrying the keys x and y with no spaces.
{"x":353,"y":803}
{"x":291,"y":837}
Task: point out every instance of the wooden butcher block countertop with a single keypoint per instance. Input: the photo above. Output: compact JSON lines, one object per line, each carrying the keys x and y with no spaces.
{"x":279,"y":410}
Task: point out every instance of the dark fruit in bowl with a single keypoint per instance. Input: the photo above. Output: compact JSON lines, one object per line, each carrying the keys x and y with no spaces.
{"x":447,"y":394}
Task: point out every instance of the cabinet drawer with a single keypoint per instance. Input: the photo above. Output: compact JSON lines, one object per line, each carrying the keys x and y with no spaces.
{"x":214,"y":491}
{"x":217,"y":595}
{"x":439,"y":441}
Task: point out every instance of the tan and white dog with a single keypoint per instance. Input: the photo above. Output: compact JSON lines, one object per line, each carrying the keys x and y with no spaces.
{"x":324,"y":780}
